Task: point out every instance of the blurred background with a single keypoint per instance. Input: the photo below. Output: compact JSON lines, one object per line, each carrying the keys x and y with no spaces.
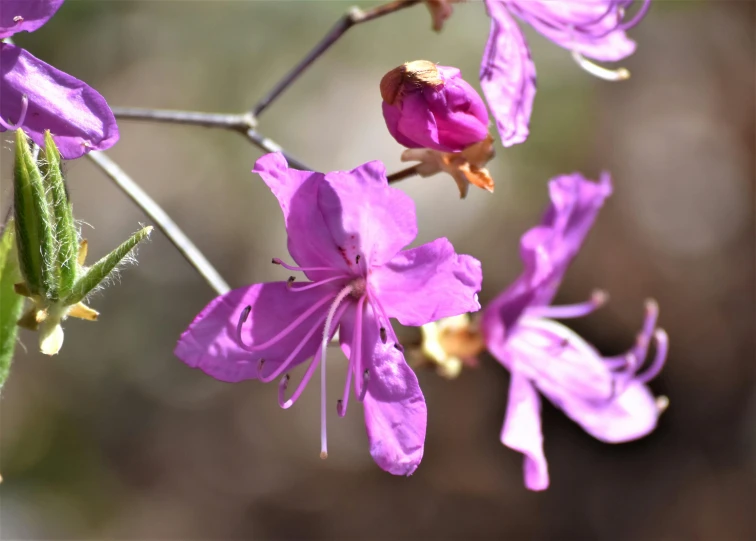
{"x":115,"y":438}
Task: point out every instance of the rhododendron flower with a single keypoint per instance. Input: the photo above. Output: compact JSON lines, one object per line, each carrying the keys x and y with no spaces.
{"x":607,"y":396}
{"x":36,"y":97}
{"x":430,"y":106}
{"x":587,"y":28}
{"x":347,"y":231}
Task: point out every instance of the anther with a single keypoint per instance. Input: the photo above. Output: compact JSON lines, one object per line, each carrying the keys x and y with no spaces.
{"x":357,"y":259}
{"x":276,"y":261}
{"x":340,"y":407}
{"x":365,"y":379}
{"x":290,"y":281}
{"x":662,"y":403}
{"x":260,"y":366}
{"x":323,"y":454}
{"x":245,"y":314}
{"x":383,"y":335}
{"x":18,"y":19}
{"x":399,"y":347}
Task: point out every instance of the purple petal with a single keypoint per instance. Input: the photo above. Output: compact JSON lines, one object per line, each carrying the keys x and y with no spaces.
{"x":592,"y":28}
{"x":428,"y":283}
{"x":508,"y":76}
{"x":547,"y":250}
{"x":394,"y":117}
{"x":25,"y":15}
{"x":415,"y":125}
{"x":76,"y":114}
{"x":631,"y":415}
{"x":309,"y":240}
{"x":366,"y":218}
{"x":395,"y":412}
{"x":210,"y":342}
{"x":522,"y":431}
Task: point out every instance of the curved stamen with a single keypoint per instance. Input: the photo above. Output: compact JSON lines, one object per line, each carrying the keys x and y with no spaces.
{"x":662,"y":346}
{"x":285,"y":365}
{"x":323,"y":350}
{"x":355,"y":356}
{"x":277,"y":338}
{"x":601,"y":72}
{"x":644,"y":336}
{"x":598,"y":299}
{"x":277,"y":261}
{"x":637,"y":17}
{"x":21,"y":117}
{"x":316,"y":284}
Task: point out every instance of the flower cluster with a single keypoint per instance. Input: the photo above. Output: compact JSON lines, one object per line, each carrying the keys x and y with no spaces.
{"x":348,"y":234}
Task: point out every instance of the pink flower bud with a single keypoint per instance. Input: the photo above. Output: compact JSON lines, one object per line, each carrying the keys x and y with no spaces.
{"x":430,"y":106}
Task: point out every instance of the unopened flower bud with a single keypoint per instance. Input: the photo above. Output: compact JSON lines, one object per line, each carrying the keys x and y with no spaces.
{"x":430,"y":106}
{"x":450,"y":344}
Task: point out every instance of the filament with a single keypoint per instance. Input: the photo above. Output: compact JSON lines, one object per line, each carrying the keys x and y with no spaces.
{"x":316,"y":284}
{"x":277,"y":261}
{"x":323,"y":350}
{"x":601,"y":72}
{"x":649,"y":324}
{"x":284,"y":365}
{"x":662,"y":346}
{"x":355,"y":356}
{"x":597,"y":300}
{"x":21,"y":116}
{"x":277,"y":338}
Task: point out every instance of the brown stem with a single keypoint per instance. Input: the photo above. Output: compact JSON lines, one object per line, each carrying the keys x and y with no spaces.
{"x":404,"y":173}
{"x":352,"y":18}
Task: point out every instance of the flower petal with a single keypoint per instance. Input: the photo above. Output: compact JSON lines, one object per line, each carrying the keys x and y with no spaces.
{"x":522,"y":431}
{"x":25,"y":15}
{"x":395,"y":412}
{"x":210,"y":342}
{"x":631,"y":415}
{"x":309,"y":240}
{"x":592,"y":28}
{"x":365,"y":216}
{"x":547,"y":250}
{"x":76,"y":114}
{"x":508,"y":75}
{"x":428,"y":283}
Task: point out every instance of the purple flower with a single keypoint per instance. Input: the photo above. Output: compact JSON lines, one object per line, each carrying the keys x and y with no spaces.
{"x":347,"y":231}
{"x":607,"y":396}
{"x":37,"y":97}
{"x":430,"y":106}
{"x":587,"y":28}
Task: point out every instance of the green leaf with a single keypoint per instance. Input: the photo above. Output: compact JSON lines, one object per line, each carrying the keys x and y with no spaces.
{"x":100,"y":270}
{"x":34,"y":226}
{"x":11,"y":304}
{"x":66,"y":237}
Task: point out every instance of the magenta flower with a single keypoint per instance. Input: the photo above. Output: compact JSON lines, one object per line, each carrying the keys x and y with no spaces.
{"x":37,"y":97}
{"x":347,"y":231}
{"x":587,"y":28}
{"x":607,"y":396}
{"x":430,"y":106}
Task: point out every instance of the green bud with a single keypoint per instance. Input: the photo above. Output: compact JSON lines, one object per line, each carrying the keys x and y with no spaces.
{"x":98,"y":272}
{"x":34,"y":225}
{"x":66,"y":236}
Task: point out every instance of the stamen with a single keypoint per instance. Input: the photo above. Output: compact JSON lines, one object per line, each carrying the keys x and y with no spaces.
{"x":598,"y":299}
{"x":290,"y":281}
{"x":382,"y":313}
{"x":365,"y":379}
{"x":321,"y":282}
{"x":323,"y":351}
{"x":383,"y":334}
{"x":601,"y":72}
{"x":355,"y":357}
{"x":662,"y":346}
{"x":281,"y":334}
{"x":285,"y":365}
{"x":21,"y":117}
{"x":649,"y":324}
{"x":277,"y":261}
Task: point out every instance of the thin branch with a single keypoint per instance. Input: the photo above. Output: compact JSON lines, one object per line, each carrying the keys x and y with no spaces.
{"x":162,"y":221}
{"x":352,"y":18}
{"x":243,"y":124}
{"x":404,"y":173}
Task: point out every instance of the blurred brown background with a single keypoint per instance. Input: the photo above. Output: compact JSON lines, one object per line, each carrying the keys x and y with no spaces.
{"x":117,"y":439}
